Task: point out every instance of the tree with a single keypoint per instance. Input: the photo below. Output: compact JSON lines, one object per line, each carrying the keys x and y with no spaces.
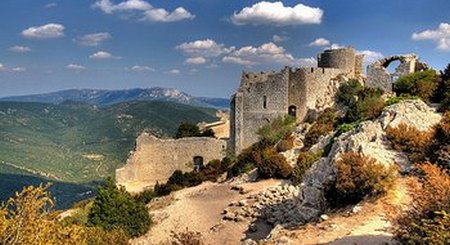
{"x":191,"y":130}
{"x":422,"y":84}
{"x":115,"y":208}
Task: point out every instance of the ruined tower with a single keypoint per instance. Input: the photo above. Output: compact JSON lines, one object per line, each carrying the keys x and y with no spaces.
{"x":300,"y":92}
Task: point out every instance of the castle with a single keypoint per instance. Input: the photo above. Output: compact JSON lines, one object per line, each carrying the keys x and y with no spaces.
{"x":300,"y":92}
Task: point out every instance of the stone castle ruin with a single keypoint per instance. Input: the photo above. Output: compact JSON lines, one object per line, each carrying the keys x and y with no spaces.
{"x":154,"y":160}
{"x":379,"y":76}
{"x":300,"y":92}
{"x":262,"y":96}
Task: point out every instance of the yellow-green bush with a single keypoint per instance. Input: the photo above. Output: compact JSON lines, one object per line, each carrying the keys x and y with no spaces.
{"x":304,"y":161}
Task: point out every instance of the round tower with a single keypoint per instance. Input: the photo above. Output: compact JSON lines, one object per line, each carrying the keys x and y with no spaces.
{"x":342,"y":58}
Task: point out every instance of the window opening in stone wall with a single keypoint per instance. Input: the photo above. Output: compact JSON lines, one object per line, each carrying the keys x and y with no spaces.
{"x":198,"y":163}
{"x":265,"y":102}
{"x":292,"y":111}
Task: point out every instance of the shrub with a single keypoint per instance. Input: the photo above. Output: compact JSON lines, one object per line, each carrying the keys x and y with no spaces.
{"x":186,"y":238}
{"x":115,"y":208}
{"x":273,"y":164}
{"x":442,"y":92}
{"x":358,"y":176}
{"x":277,"y":130}
{"x":397,"y":99}
{"x":421,"y":84}
{"x":304,"y":161}
{"x":348,"y":92}
{"x":145,"y":196}
{"x":439,"y":148}
{"x":410,"y":140}
{"x":286,"y":143}
{"x":324,"y":125}
{"x":191,"y":130}
{"x":428,"y":222}
{"x":366,"y":108}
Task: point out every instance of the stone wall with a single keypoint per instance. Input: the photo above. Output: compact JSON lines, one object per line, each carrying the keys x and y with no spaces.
{"x":156,"y":159}
{"x":343,"y":58}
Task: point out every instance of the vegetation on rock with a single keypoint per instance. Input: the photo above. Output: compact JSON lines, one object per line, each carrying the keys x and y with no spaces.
{"x":192,"y":130}
{"x":358,"y":176}
{"x":421,"y":83}
{"x":304,"y":161}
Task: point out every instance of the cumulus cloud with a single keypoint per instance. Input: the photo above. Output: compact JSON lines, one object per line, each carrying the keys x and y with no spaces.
{"x":173,"y":72}
{"x":139,"y":68}
{"x":103,"y":55}
{"x":307,"y":62}
{"x":370,"y":56}
{"x":319,"y":42}
{"x":47,"y":31}
{"x":50,"y":5}
{"x":143,"y":9}
{"x":2,"y":67}
{"x":75,"y":67}
{"x":19,"y":49}
{"x":162,"y":15}
{"x":195,"y":61}
{"x":18,"y":69}
{"x":278,"y":39}
{"x":203,"y":48}
{"x":275,"y":13}
{"x":266,"y":53}
{"x":93,"y":39}
{"x":441,"y":36}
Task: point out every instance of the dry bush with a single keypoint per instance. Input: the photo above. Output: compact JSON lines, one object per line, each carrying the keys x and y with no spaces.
{"x":186,"y":238}
{"x":439,"y":149}
{"x":286,"y":143}
{"x":427,"y":222}
{"x":410,"y":140}
{"x":273,"y":164}
{"x":357,"y":177}
{"x":324,"y":125}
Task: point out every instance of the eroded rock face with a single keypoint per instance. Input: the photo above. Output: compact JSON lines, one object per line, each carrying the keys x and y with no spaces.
{"x":291,"y":206}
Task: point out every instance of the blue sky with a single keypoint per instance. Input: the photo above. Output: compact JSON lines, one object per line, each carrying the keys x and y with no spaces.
{"x":200,"y":46}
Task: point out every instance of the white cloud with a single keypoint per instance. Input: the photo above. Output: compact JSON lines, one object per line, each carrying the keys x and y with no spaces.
{"x":18,"y":69}
{"x":173,"y":72}
{"x":75,"y":67}
{"x":307,"y":62}
{"x":162,"y":15}
{"x":441,"y":36}
{"x":20,"y":49}
{"x":278,"y":38}
{"x":319,"y":42}
{"x":139,"y":68}
{"x":93,"y":39}
{"x":370,"y":56}
{"x":203,"y":48}
{"x":2,"y":67}
{"x":103,"y":55}
{"x":195,"y":61}
{"x":47,"y":31}
{"x":266,"y":53}
{"x":50,"y":5}
{"x":144,"y":9}
{"x":275,"y":13}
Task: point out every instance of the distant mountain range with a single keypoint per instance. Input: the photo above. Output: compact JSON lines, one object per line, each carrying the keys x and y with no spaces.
{"x":110,"y":97}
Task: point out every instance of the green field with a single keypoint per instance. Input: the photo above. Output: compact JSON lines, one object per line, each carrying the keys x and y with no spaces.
{"x":77,"y":144}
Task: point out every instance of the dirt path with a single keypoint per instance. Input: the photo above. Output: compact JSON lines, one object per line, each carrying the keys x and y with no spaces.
{"x":200,"y":209}
{"x":369,"y":226}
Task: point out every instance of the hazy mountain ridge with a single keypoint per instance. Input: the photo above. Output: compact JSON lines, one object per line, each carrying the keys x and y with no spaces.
{"x":103,"y":97}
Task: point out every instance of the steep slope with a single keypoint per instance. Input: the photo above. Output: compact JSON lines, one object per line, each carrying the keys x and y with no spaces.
{"x":78,"y":143}
{"x":110,"y":97}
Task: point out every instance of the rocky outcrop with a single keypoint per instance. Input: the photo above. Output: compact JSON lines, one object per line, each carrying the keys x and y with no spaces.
{"x":291,"y":206}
